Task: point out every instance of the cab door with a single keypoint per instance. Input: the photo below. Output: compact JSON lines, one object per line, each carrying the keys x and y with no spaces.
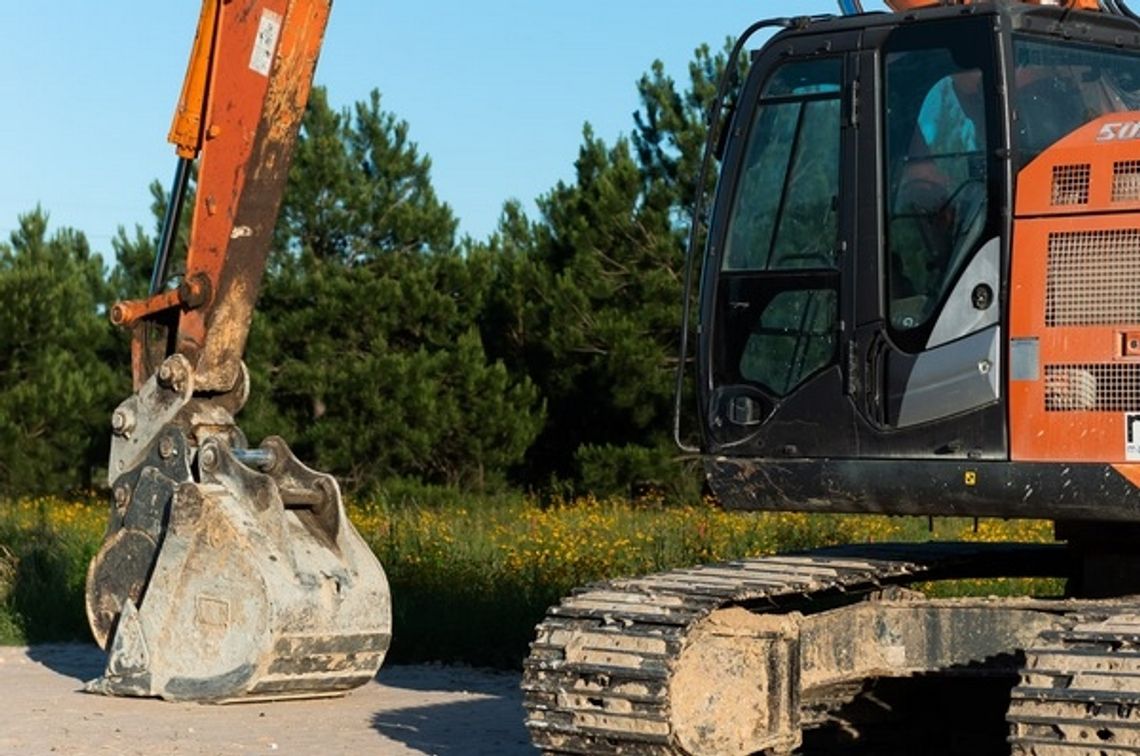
{"x":930,"y":337}
{"x":773,"y":333}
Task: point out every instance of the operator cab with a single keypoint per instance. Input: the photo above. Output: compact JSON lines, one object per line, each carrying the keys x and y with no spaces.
{"x":856,"y":289}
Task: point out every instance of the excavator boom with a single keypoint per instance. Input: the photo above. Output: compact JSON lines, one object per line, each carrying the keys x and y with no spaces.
{"x":245,"y":92}
{"x":227,"y":572}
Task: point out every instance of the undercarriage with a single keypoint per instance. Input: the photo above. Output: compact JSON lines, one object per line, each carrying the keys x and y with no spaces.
{"x":828,"y":650}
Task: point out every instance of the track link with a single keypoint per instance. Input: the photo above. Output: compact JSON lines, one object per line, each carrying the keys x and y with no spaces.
{"x":1079,"y":692}
{"x":598,"y":677}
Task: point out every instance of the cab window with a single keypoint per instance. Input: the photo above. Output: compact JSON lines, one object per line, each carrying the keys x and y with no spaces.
{"x":938,"y":166}
{"x":1060,"y":86}
{"x":784,"y":214}
{"x":778,"y":305}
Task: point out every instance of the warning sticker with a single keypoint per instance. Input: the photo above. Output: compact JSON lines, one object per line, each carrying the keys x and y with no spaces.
{"x":1132,"y":436}
{"x":265,"y":45}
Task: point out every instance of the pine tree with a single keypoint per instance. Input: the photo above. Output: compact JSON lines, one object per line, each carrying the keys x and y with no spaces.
{"x":57,"y":387}
{"x":366,"y":350}
{"x":587,"y":300}
{"x":135,"y":251}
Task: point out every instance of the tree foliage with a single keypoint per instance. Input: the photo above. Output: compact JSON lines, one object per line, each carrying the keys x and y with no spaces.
{"x":381,"y":347}
{"x":367,"y":349}
{"x":135,"y":251}
{"x":360,"y":189}
{"x":588,"y":297}
{"x":56,"y":386}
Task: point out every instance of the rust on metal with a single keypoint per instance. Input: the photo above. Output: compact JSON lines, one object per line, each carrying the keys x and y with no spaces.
{"x":192,"y":293}
{"x":128,"y":313}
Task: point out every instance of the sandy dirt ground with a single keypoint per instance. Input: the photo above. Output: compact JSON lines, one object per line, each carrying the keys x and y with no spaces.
{"x":407,"y":710}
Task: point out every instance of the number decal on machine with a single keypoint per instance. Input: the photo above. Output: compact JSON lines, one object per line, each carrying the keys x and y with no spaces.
{"x":1117,"y":131}
{"x":1132,"y":436}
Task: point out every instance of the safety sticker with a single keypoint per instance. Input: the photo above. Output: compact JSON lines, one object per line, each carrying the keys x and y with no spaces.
{"x":1132,"y":436}
{"x":265,"y":45}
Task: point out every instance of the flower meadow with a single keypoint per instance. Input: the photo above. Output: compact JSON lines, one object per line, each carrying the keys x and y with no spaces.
{"x":471,"y":574}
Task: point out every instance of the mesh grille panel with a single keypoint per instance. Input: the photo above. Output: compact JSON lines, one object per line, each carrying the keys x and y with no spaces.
{"x":1093,"y":278}
{"x":1071,"y":184}
{"x":1126,"y":181}
{"x":1092,"y":388}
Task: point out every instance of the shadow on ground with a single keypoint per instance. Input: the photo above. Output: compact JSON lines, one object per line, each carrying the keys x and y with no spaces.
{"x":450,"y":729}
{"x":491,"y":724}
{"x":79,"y":661}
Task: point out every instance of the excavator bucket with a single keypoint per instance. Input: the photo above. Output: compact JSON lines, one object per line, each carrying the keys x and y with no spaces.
{"x":227,"y":573}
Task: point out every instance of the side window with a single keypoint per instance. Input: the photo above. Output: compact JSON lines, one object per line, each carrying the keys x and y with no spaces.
{"x":779,"y":301}
{"x":784,"y":211}
{"x":796,"y":337}
{"x":937,"y":175}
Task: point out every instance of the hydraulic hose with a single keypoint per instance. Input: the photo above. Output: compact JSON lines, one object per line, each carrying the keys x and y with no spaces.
{"x":170,"y":222}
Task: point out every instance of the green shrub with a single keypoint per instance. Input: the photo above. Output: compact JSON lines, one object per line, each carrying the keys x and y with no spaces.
{"x":10,"y":632}
{"x":637,"y":472}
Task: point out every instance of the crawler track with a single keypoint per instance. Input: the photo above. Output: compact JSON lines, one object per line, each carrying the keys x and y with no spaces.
{"x":598,"y":677}
{"x":1080,"y":692}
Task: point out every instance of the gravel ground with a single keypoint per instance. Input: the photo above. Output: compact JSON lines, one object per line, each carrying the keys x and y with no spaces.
{"x":451,"y":711}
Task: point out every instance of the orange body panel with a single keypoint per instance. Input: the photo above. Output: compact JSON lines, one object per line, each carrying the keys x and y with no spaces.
{"x":1129,"y":472}
{"x":900,"y":6}
{"x":261,"y":62}
{"x":1076,"y":252}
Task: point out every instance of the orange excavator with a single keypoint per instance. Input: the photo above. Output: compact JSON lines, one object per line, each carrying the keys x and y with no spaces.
{"x":919,"y":295}
{"x":227,"y":571}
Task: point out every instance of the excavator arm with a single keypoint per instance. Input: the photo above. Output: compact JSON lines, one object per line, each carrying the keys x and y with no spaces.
{"x":226,"y":572}
{"x":245,"y":92}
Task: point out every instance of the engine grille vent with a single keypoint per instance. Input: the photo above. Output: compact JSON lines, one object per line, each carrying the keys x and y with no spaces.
{"x":1126,"y":181}
{"x":1092,"y":388}
{"x":1093,"y":278}
{"x":1071,"y":184}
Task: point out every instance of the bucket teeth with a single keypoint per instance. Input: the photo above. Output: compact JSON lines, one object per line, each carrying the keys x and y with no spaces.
{"x":128,"y":651}
{"x":128,"y":660}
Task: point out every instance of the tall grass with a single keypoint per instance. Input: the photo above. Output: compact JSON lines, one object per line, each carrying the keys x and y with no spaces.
{"x":470,"y":582}
{"x":470,"y":575}
{"x":45,"y":545}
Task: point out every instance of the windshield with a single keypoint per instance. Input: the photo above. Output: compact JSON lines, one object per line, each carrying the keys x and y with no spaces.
{"x":784,"y":212}
{"x":1060,"y":86}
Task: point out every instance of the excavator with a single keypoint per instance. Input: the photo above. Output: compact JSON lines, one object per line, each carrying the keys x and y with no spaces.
{"x":919,"y":294}
{"x":227,"y":572}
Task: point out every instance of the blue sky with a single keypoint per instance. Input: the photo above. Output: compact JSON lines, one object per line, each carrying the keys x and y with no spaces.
{"x":495,"y":92}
